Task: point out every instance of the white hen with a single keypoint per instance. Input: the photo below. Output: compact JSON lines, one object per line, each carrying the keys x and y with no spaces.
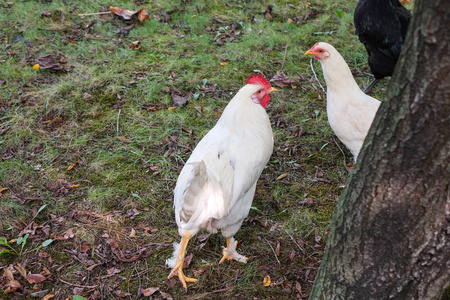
{"x":215,"y":188}
{"x":350,"y":111}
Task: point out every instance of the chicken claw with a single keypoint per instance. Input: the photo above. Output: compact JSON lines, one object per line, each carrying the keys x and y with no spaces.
{"x":230,"y":253}
{"x":178,"y":269}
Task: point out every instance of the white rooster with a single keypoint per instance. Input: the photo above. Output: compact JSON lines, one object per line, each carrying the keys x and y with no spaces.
{"x":215,"y":188}
{"x":350,"y":111}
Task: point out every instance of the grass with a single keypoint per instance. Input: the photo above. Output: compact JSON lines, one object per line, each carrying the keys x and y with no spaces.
{"x":125,"y":159}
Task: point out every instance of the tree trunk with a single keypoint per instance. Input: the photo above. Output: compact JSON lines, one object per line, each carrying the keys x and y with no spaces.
{"x":390,"y":233}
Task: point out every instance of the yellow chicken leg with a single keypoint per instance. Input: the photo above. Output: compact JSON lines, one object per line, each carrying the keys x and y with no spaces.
{"x":178,"y":269}
{"x":230,"y":253}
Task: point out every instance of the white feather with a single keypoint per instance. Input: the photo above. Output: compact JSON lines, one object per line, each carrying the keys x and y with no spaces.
{"x":171,"y":262}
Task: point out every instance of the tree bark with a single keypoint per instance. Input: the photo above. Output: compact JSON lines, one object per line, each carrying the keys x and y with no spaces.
{"x":390,"y":232}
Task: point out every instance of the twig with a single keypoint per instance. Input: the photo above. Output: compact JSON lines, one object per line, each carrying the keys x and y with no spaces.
{"x":272,"y":250}
{"x":295,"y":242}
{"x":78,"y":285}
{"x":315,"y":75}
{"x":209,"y":293}
{"x":97,"y":13}
{"x":118,"y":115}
{"x":37,"y":57}
{"x":284,"y":58}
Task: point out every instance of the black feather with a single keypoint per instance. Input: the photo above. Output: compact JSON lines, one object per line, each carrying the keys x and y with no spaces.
{"x":381,"y":26}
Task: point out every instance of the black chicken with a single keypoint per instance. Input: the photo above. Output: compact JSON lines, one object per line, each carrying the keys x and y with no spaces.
{"x":381,"y":26}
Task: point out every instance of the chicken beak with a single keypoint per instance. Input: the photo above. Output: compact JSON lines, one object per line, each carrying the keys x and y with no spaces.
{"x":309,"y":52}
{"x":271,"y":90}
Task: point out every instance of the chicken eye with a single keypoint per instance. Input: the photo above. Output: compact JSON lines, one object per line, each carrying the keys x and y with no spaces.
{"x":259,"y":92}
{"x":320,"y":51}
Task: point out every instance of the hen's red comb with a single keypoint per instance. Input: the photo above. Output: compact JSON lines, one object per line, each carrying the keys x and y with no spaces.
{"x":257,"y":78}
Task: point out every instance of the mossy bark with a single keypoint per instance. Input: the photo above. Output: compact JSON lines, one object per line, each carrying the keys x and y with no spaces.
{"x":390,"y":233}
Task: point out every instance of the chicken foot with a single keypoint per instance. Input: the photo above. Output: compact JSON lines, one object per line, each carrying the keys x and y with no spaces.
{"x":178,"y":269}
{"x":230,"y":252}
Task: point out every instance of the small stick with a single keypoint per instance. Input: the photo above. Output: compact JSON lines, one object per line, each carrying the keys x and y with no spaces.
{"x":272,"y":250}
{"x":315,"y":75}
{"x":97,"y":13}
{"x":37,"y":57}
{"x":118,"y":115}
{"x":78,"y":285}
{"x":284,"y":58}
{"x":295,"y":242}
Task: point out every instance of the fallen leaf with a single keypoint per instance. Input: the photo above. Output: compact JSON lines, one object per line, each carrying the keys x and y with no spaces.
{"x":85,"y":247}
{"x":35,"y":278}
{"x":277,"y":249}
{"x":74,"y":186}
{"x":187,"y":260}
{"x":128,"y":14}
{"x":150,"y":291}
{"x":268,"y":12}
{"x":282,"y":176}
{"x":135,"y":45}
{"x":133,"y":233}
{"x":223,"y":63}
{"x":46,"y":14}
{"x":48,"y":296}
{"x":48,"y":62}
{"x":266,"y":281}
{"x":12,"y":286}
{"x":179,"y":98}
{"x":21,"y":270}
{"x":8,"y":274}
{"x":113,"y":271}
{"x":282,"y":80}
{"x":166,"y":295}
{"x":121,"y":138}
{"x":71,"y":166}
{"x":292,"y":254}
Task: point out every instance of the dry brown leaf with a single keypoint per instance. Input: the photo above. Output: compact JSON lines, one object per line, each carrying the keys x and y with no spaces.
{"x":12,"y":286}
{"x":128,"y":14}
{"x":277,"y":249}
{"x":8,"y":274}
{"x":45,"y":271}
{"x":71,"y":166}
{"x":84,"y":247}
{"x":133,"y":233}
{"x":266,"y":281}
{"x":292,"y":254}
{"x":282,"y":176}
{"x":143,"y":15}
{"x":48,"y":296}
{"x":135,"y":45}
{"x":150,"y":291}
{"x":35,"y":278}
{"x":21,"y":270}
{"x":49,"y":62}
{"x":282,"y":80}
{"x":178,"y":98}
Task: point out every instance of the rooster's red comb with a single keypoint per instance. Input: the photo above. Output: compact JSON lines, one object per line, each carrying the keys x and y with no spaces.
{"x":258,"y":78}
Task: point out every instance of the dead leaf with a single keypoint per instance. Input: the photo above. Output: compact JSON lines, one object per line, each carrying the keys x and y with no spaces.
{"x":67,"y":235}
{"x":46,"y":14}
{"x":35,"y":278}
{"x":85,"y":247}
{"x":48,"y":296}
{"x":166,"y":295}
{"x":282,"y":176}
{"x":277,"y":249}
{"x":187,"y":260}
{"x":150,"y":291}
{"x":133,"y":233}
{"x":266,"y":281}
{"x":48,"y":62}
{"x":21,"y":270}
{"x":298,"y":287}
{"x":71,"y":166}
{"x":268,"y":12}
{"x":282,"y":80}
{"x":292,"y":254}
{"x":203,"y":237}
{"x":12,"y":286}
{"x":179,"y":98}
{"x":8,"y":274}
{"x":135,"y":45}
{"x":113,"y":271}
{"x":128,"y":14}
